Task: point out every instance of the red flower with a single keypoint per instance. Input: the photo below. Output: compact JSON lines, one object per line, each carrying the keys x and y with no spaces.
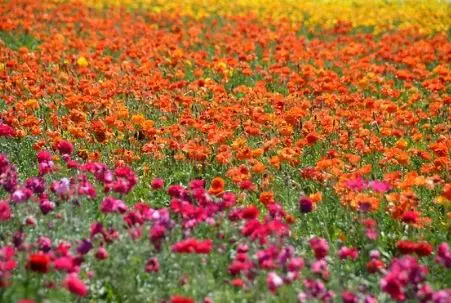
{"x":192,"y":245}
{"x":423,"y":249}
{"x":406,"y":247}
{"x":250,"y":212}
{"x":5,"y":211}
{"x":410,"y":217}
{"x":239,"y":283}
{"x":180,"y":299}
{"x":374,"y":265}
{"x":39,"y":263}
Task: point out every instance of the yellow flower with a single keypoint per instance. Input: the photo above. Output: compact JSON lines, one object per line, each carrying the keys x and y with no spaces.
{"x":82,"y":62}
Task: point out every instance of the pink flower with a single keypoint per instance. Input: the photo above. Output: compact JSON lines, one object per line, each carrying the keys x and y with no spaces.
{"x":442,"y":296}
{"x":61,"y":188}
{"x":44,"y":244}
{"x":197,"y":183}
{"x":101,"y":253}
{"x":64,"y":264}
{"x":348,"y":253}
{"x":274,"y":281}
{"x":357,"y":184}
{"x":21,"y":195}
{"x":44,"y":156}
{"x":75,"y":285}
{"x":295,"y":264}
{"x":349,"y":297}
{"x":320,"y":247}
{"x":379,"y":186}
{"x":124,"y":180}
{"x":6,"y":130}
{"x":370,"y":229}
{"x":152,"y":265}
{"x":403,"y":272}
{"x":112,"y":205}
{"x":444,"y":255}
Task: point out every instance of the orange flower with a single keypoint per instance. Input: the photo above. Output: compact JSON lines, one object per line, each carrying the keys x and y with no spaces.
{"x":266,"y":197}
{"x":217,"y":186}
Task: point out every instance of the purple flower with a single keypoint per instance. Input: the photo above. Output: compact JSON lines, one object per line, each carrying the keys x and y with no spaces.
{"x":84,"y":247}
{"x":305,"y":205}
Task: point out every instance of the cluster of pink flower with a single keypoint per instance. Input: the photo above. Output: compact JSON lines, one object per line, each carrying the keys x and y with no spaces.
{"x":261,"y":243}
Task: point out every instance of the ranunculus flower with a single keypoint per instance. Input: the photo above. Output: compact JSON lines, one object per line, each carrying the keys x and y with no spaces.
{"x":75,"y":285}
{"x":39,"y":262}
{"x":157,"y":183}
{"x":5,"y":211}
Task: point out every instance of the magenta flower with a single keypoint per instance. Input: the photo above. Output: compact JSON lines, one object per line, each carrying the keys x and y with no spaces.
{"x":112,"y":205}
{"x":357,"y":184}
{"x":65,"y":147}
{"x":444,"y":255}
{"x":379,"y":186}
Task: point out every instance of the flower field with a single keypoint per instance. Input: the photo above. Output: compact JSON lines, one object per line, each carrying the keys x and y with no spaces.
{"x":225,"y":151}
